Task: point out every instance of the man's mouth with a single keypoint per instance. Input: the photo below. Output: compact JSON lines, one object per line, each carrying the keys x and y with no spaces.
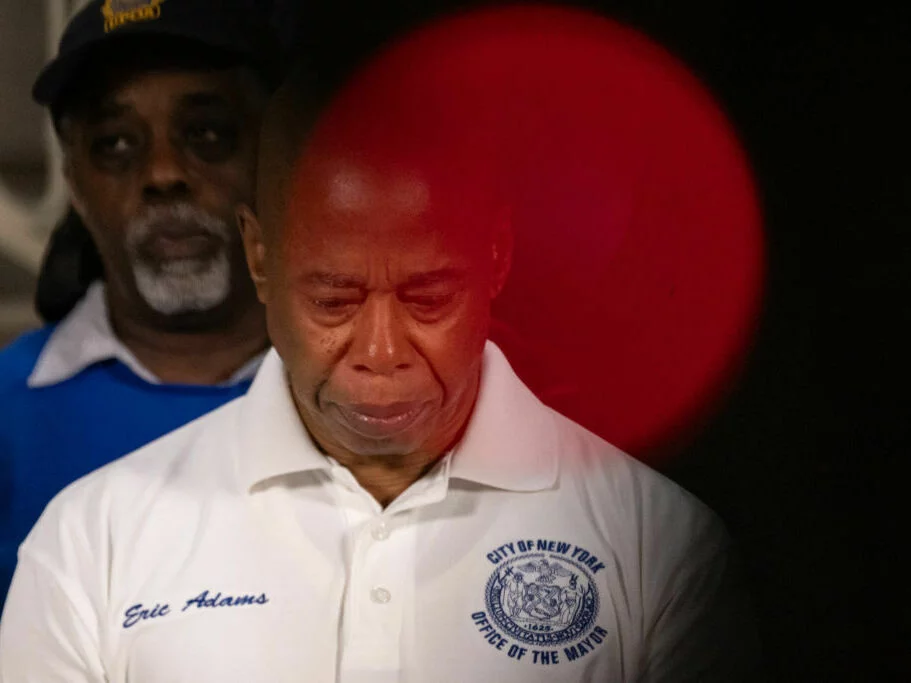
{"x":173,"y":244}
{"x":381,"y":421}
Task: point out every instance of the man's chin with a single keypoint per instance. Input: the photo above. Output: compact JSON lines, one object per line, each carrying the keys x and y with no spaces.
{"x":399,"y":445}
{"x":184,"y":289}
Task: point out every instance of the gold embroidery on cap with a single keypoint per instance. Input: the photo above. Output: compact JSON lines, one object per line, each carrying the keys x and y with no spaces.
{"x":119,"y":12}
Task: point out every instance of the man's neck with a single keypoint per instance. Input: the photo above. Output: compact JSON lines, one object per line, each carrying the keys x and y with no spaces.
{"x":204,"y":356}
{"x":386,"y":478}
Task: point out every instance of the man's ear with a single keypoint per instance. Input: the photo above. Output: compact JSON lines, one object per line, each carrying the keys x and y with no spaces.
{"x":254,"y":247}
{"x":503,"y":239}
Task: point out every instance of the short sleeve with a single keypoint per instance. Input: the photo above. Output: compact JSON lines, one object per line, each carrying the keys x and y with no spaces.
{"x":703,"y":628}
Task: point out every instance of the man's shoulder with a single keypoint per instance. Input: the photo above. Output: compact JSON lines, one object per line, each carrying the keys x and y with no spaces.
{"x":589,"y":465}
{"x":581,"y":450}
{"x":171,"y":456}
{"x":18,"y":358}
{"x":121,"y":493}
{"x":621,"y":484}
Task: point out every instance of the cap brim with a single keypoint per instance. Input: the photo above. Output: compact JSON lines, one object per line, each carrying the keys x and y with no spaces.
{"x":56,"y":76}
{"x":53,"y":77}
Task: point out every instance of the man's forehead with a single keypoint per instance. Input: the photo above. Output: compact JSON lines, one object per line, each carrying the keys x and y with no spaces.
{"x":394,"y":200}
{"x":404,"y":236}
{"x":176,"y":80}
{"x":363,"y":237}
{"x":350,"y":188}
{"x":176,"y":88}
{"x":326,"y":246}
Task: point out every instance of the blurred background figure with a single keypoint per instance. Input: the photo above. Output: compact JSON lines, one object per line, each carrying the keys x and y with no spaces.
{"x":152,"y":318}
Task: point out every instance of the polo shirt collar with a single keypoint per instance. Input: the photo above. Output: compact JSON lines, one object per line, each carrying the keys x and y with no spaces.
{"x":273,"y":440}
{"x":510,"y":441}
{"x":85,"y":337}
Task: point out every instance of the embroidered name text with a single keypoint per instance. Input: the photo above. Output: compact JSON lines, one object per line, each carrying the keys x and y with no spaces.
{"x":139,"y":612}
{"x":218,"y":600}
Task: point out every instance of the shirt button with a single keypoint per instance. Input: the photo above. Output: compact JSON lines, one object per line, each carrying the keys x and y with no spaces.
{"x":380,"y":595}
{"x":380,"y":532}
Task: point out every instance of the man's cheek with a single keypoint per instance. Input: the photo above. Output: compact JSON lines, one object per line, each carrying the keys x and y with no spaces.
{"x":326,"y":345}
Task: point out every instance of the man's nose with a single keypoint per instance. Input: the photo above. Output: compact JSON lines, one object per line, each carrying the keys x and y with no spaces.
{"x":165,"y":173}
{"x":380,"y":344}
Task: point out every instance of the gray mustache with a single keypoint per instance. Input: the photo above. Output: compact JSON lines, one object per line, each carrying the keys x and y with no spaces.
{"x":162,"y":218}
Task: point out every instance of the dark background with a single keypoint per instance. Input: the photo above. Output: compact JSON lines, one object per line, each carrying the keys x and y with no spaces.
{"x":798,"y":460}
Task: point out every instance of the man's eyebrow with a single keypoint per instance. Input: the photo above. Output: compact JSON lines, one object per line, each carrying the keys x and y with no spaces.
{"x":434,"y":277}
{"x":112,"y":109}
{"x":337,"y":280}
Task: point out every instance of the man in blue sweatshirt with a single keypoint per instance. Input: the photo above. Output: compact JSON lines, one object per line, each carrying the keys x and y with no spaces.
{"x":157,"y":106}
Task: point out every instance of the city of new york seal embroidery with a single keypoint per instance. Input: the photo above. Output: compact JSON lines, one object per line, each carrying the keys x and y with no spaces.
{"x":542,"y":602}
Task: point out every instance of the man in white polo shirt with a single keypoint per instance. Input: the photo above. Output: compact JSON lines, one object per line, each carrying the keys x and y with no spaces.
{"x":389,"y":502}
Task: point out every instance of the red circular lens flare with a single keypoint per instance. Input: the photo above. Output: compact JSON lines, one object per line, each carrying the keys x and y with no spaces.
{"x":639,"y":258}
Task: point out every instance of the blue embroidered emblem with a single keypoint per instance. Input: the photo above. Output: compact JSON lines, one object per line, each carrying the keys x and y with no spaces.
{"x":542,"y":600}
{"x":542,"y":594}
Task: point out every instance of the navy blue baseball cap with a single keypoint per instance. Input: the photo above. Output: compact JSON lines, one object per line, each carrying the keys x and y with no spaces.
{"x":233,"y":29}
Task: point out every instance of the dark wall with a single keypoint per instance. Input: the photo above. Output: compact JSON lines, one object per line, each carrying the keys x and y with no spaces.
{"x":797,"y":461}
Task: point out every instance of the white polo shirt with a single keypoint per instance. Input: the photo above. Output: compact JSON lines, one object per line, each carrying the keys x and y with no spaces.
{"x":232,"y":550}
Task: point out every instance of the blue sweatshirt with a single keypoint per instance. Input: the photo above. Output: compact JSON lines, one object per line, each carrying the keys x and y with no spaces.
{"x":52,"y":435}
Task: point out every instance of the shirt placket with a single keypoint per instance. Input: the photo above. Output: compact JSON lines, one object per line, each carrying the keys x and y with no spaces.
{"x":380,"y":590}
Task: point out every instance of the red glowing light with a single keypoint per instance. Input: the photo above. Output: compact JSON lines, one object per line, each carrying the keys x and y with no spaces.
{"x":639,"y":254}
